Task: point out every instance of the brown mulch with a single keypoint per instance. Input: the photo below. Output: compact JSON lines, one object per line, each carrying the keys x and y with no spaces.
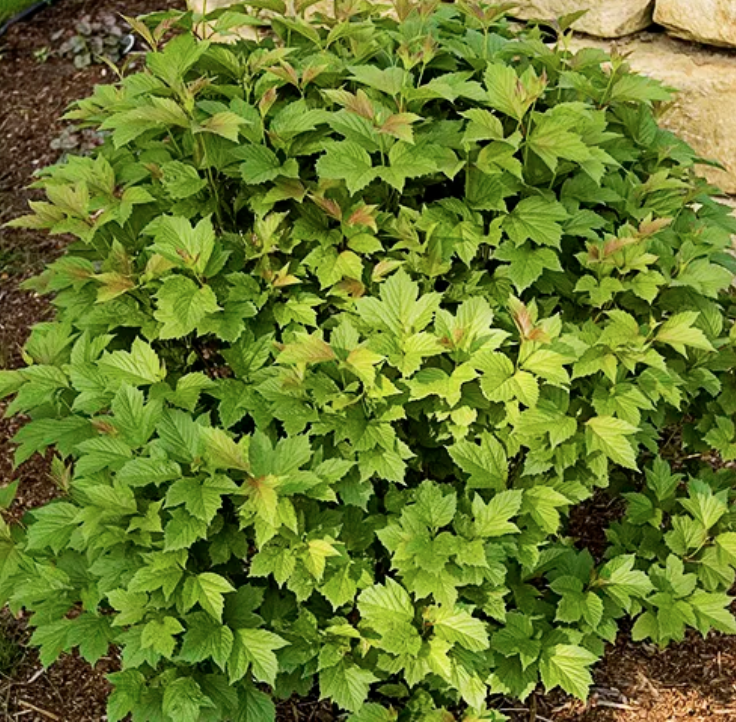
{"x":695,"y":680}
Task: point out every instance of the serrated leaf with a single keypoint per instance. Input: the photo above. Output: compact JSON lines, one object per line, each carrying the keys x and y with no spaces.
{"x":346,"y":684}
{"x":207,"y":590}
{"x":139,"y":367}
{"x":608,"y":434}
{"x":678,"y":331}
{"x":492,"y":519}
{"x":347,"y":161}
{"x":181,"y":306}
{"x":566,"y":665}
{"x":484,"y":462}
{"x":206,"y":639}
{"x":254,"y":649}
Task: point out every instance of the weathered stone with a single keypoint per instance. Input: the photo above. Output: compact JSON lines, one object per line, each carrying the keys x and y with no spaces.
{"x":248,"y":32}
{"x":604,"y":18}
{"x":707,"y":21}
{"x":704,"y":112}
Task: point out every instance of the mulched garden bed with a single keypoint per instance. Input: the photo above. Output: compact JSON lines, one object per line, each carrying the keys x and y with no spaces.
{"x":695,"y":680}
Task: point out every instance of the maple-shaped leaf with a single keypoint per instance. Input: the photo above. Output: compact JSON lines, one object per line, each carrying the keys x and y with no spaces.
{"x":493,"y":519}
{"x":182,"y":244}
{"x":505,"y":91}
{"x":206,"y":638}
{"x":554,"y":137}
{"x":160,"y":635}
{"x":346,"y":684}
{"x":609,"y":435}
{"x":184,"y":700}
{"x":181,"y":306}
{"x":678,"y":331}
{"x":140,"y":366}
{"x":536,"y":218}
{"x":201,"y":498}
{"x":484,"y":462}
{"x":255,"y":649}
{"x":347,"y":161}
{"x":527,"y":264}
{"x":261,"y":164}
{"x":566,"y":666}
{"x":207,"y":590}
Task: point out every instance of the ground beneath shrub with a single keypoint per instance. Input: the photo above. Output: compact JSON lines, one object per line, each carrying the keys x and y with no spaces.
{"x":695,"y":680}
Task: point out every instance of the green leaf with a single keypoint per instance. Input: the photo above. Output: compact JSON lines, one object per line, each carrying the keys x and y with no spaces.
{"x":182,"y":244}
{"x":207,"y":590}
{"x":53,"y":526}
{"x":184,"y":700}
{"x":482,"y":125}
{"x":373,"y":712}
{"x":7,"y":494}
{"x":52,"y":638}
{"x":206,"y":639}
{"x":527,"y":264}
{"x":705,"y":506}
{"x":622,"y":582}
{"x":181,"y":180}
{"x":226,"y":124}
{"x":413,"y":161}
{"x":183,"y":530}
{"x":459,"y":627}
{"x":346,"y":684}
{"x":255,"y":648}
{"x":537,"y":219}
{"x":608,"y":434}
{"x":180,"y":436}
{"x":485,"y":463}
{"x":160,"y":635}
{"x":389,"y":80}
{"x":261,"y":165}
{"x":435,"y":508}
{"x":712,"y":612}
{"x":566,"y":666}
{"x":223,"y":452}
{"x":93,"y":636}
{"x":126,"y":694}
{"x":722,"y":437}
{"x":678,"y":331}
{"x":202,"y":499}
{"x":181,"y":306}
{"x":492,"y":519}
{"x":505,"y":92}
{"x":347,"y":161}
{"x":552,"y":139}
{"x":138,"y":367}
{"x":542,"y":503}
{"x":340,"y":587}
{"x":255,"y":706}
{"x":381,"y":605}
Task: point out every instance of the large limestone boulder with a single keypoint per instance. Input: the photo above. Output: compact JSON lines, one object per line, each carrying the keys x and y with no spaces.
{"x":707,"y":21}
{"x":704,"y":113}
{"x":604,"y":18}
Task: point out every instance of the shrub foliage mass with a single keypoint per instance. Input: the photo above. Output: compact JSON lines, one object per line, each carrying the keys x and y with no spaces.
{"x":355,"y":316}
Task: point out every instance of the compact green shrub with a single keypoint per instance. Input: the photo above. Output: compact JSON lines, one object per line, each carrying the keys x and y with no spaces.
{"x":355,"y":316}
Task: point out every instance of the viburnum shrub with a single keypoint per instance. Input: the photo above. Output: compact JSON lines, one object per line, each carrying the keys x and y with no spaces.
{"x":356,"y":315}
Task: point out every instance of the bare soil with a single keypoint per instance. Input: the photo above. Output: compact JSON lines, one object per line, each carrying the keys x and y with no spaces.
{"x":695,"y":680}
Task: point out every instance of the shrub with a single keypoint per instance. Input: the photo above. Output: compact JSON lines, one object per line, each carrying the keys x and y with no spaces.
{"x":356,"y":315}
